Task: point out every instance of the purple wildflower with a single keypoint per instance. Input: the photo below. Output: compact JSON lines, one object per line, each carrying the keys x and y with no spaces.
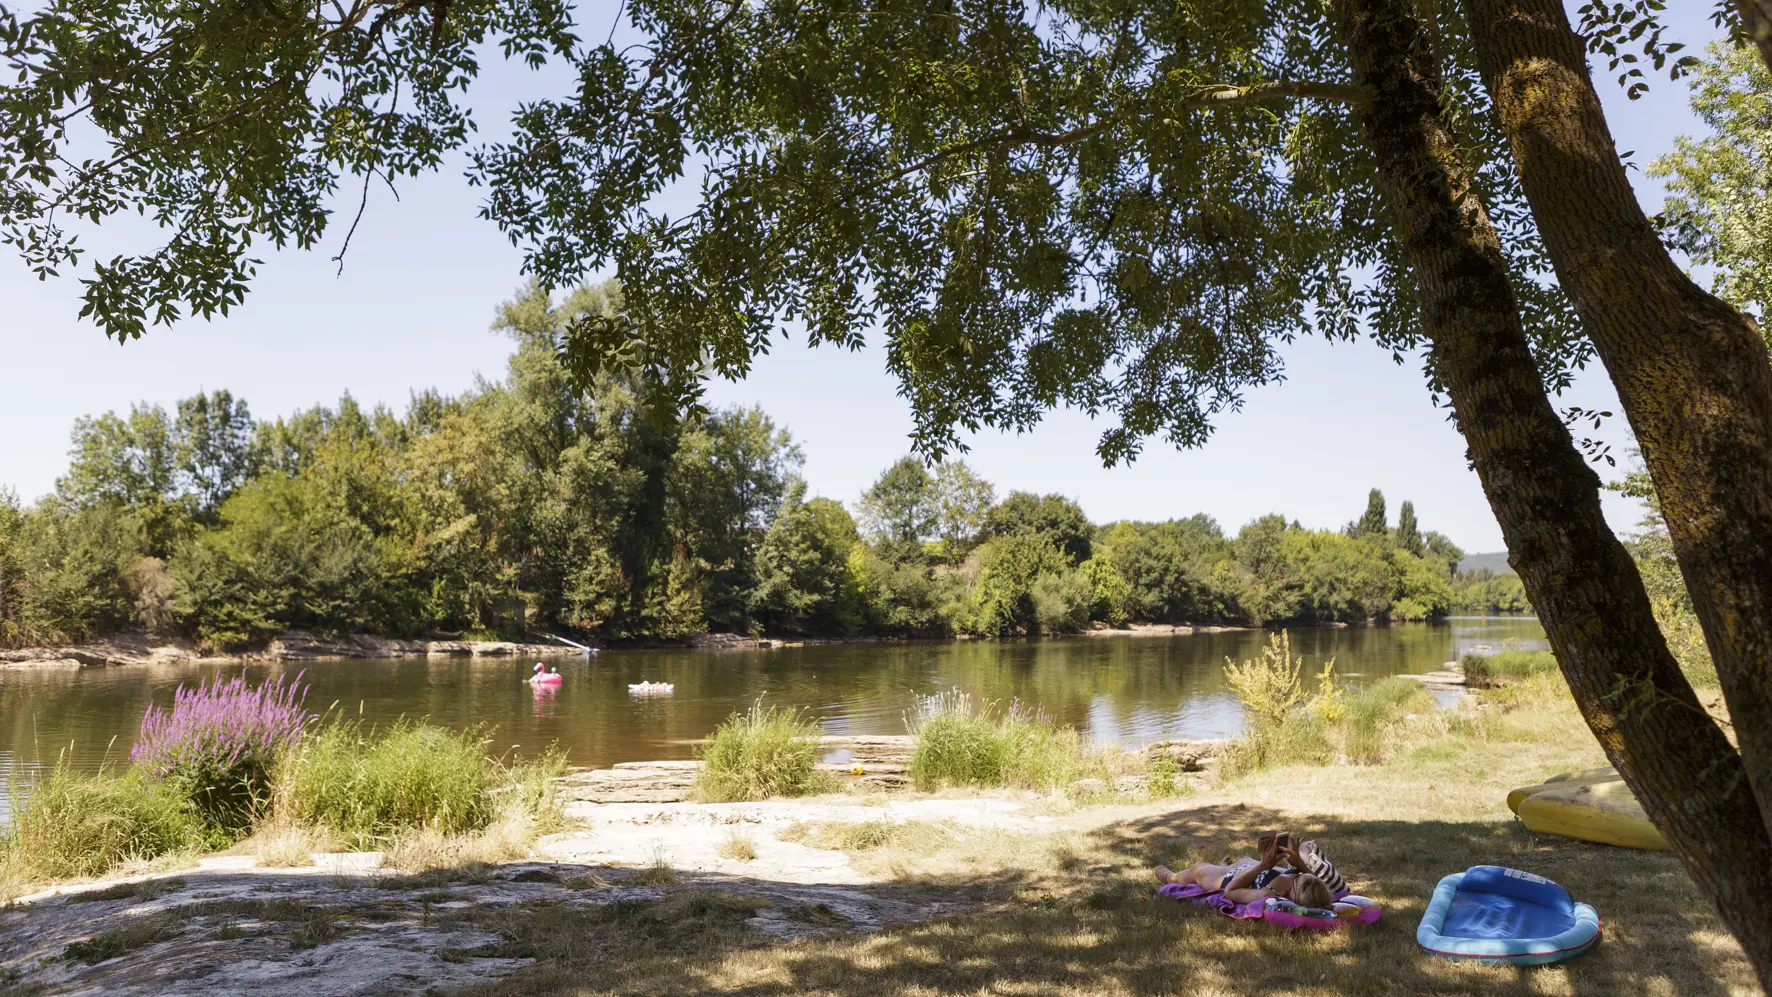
{"x":222,"y":727}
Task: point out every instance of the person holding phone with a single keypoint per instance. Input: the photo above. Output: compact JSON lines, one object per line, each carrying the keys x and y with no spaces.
{"x":1280,"y":872}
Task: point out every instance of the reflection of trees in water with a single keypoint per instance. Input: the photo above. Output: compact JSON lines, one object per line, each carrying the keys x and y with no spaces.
{"x":1129,"y":687}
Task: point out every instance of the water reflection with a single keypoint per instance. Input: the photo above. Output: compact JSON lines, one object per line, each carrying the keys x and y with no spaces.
{"x":1128,"y":690}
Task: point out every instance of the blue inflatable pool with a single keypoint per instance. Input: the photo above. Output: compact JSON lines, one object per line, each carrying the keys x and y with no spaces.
{"x":1504,"y":915}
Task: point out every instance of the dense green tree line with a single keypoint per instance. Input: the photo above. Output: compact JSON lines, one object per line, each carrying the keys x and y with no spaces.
{"x":582,"y":511}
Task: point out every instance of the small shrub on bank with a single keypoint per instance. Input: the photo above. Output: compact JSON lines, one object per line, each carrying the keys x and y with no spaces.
{"x":960,"y":744}
{"x":371,"y":786}
{"x":761,"y":754}
{"x":219,"y":746}
{"x":74,"y":825}
{"x":1508,"y":666}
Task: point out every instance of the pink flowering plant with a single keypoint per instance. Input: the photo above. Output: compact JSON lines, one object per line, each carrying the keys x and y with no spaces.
{"x":220,"y":743}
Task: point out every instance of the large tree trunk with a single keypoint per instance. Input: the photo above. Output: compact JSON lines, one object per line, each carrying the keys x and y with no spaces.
{"x":1756,"y":23}
{"x":1691,"y":371}
{"x":1580,"y":578}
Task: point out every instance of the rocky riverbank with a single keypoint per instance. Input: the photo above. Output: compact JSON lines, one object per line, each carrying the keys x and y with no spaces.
{"x":299,"y":645}
{"x":346,"y":924}
{"x":139,"y":649}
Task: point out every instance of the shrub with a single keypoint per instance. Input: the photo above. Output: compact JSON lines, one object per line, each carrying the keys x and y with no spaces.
{"x":371,"y":786}
{"x":1493,"y":669}
{"x":1268,"y":686}
{"x":760,"y":754}
{"x":219,"y":745}
{"x":1279,"y":731}
{"x":85,"y":825}
{"x":960,"y":744}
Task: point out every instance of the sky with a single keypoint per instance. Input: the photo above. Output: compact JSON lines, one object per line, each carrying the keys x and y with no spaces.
{"x":412,"y":306}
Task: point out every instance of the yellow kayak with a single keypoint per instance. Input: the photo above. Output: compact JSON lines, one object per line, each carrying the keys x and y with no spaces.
{"x":1594,"y":805}
{"x":1563,"y":780}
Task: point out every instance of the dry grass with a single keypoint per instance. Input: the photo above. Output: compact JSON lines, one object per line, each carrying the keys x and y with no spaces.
{"x":290,"y":847}
{"x":1066,"y":914}
{"x":739,"y":847}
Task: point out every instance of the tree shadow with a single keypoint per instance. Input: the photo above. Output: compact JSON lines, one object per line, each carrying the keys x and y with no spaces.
{"x":1086,"y":925}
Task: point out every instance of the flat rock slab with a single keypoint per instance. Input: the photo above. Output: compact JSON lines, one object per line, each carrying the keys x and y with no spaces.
{"x":223,"y":931}
{"x":692,"y":837}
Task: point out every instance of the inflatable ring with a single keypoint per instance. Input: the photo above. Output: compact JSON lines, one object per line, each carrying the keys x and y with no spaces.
{"x":1491,"y":914}
{"x":1293,"y":917}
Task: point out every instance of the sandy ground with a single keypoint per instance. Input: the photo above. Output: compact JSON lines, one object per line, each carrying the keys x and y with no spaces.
{"x":347,"y":926}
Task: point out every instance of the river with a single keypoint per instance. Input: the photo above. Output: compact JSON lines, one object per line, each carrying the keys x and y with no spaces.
{"x":1128,"y":690}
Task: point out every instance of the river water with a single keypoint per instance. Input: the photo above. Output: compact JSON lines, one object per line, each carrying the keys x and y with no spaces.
{"x":1128,"y":690}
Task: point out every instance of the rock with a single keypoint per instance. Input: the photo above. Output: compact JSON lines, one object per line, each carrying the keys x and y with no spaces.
{"x":1188,"y":756}
{"x":1088,"y":787}
{"x":726,"y":642}
{"x":1128,"y":784}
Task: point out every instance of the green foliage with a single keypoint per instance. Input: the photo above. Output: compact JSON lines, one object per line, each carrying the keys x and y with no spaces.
{"x":1719,"y":206}
{"x":1276,"y":730}
{"x":73,"y":569}
{"x":1268,"y":686}
{"x":1002,"y":600}
{"x":1507,"y":666}
{"x":72,"y":824}
{"x":805,"y":581}
{"x":899,"y":510}
{"x":1373,"y":523}
{"x":528,"y":504}
{"x":372,"y":785}
{"x":961,"y":744}
{"x":1056,"y":518}
{"x":760,"y":755}
{"x":1408,"y":536}
{"x":1484,"y":591}
{"x":962,"y":501}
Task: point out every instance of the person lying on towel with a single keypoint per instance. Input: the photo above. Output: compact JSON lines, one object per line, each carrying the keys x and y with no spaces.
{"x":1298,"y":873}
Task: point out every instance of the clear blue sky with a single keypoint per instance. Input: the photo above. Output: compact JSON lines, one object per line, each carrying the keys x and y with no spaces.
{"x":413,"y":304}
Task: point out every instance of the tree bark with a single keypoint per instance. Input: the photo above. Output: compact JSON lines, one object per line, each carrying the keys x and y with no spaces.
{"x":1580,"y":578}
{"x":1691,"y":371}
{"x":1756,"y":23}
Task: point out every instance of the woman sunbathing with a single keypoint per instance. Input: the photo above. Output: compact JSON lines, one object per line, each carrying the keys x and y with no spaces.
{"x":1250,"y":881}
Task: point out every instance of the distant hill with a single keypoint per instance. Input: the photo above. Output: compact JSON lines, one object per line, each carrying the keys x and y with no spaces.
{"x":1496,"y":562}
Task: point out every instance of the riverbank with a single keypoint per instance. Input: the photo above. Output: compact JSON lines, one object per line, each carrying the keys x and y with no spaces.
{"x":296,"y":645}
{"x":299,"y":645}
{"x":879,"y":891}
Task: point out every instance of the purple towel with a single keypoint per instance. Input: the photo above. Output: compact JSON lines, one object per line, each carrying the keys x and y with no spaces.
{"x":1216,"y":900}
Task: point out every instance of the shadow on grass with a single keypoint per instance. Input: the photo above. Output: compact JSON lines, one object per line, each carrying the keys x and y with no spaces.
{"x":1076,"y":921}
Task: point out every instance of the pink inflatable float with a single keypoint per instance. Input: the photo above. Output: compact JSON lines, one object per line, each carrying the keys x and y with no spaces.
{"x":1349,"y":909}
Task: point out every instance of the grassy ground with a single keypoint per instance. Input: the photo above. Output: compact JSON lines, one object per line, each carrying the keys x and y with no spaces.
{"x":1067,"y":914}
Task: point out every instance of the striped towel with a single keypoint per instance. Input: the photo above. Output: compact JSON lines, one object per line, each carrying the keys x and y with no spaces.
{"x":1319,"y":866}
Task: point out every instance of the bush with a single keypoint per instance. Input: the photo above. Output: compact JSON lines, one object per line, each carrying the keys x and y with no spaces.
{"x":372,"y":786}
{"x":760,"y":754}
{"x":85,"y":825}
{"x":219,"y":745}
{"x":1508,"y":666}
{"x":959,"y":744}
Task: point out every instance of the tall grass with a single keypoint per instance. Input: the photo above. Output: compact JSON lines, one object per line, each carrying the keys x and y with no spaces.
{"x":962,"y":744}
{"x":761,"y":754}
{"x":1286,"y":725}
{"x":74,"y":825}
{"x":371,"y":785}
{"x":1507,"y":666}
{"x":1366,"y":733}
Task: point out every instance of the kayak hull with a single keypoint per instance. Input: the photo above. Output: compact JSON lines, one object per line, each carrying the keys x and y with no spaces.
{"x":1594,"y":805}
